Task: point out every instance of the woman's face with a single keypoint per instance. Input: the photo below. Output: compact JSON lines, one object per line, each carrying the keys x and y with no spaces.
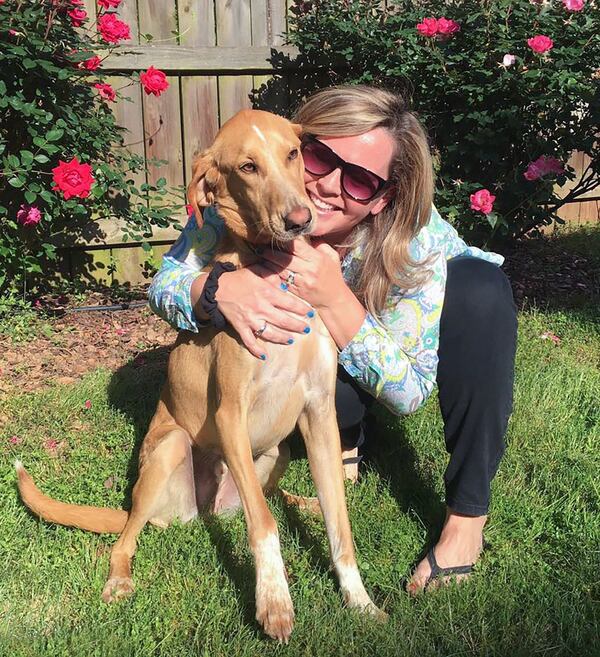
{"x":337,"y":212}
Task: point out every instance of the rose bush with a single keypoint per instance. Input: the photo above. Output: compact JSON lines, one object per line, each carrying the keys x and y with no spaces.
{"x":63,"y":162}
{"x":507,"y":90}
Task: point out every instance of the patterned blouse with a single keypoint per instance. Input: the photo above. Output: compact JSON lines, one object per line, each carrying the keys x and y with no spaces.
{"x":395,"y":360}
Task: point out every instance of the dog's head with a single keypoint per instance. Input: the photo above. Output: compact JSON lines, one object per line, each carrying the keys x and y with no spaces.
{"x":254,"y":173}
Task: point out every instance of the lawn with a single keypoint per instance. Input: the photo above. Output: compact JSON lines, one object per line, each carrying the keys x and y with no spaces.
{"x":536,"y":590}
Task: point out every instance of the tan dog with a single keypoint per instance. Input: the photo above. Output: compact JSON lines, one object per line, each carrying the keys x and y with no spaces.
{"x":223,"y":414}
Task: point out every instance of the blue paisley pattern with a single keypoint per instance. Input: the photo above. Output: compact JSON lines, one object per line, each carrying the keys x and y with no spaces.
{"x":394,"y":359}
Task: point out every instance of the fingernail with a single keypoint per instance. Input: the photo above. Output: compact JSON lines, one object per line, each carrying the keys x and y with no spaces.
{"x":263,"y":357}
{"x":310,"y":313}
{"x":283,"y":286}
{"x":291,"y":341}
{"x":307,"y":329}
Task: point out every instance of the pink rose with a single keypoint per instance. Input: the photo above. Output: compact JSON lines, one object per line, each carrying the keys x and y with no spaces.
{"x":574,"y":5}
{"x":189,"y":209}
{"x":72,"y":178}
{"x":78,"y":17}
{"x":540,"y":43}
{"x":112,"y":29}
{"x":154,"y":81}
{"x":105,"y":91}
{"x":508,"y":60}
{"x":91,"y":64}
{"x":482,"y":201}
{"x":543,"y":166}
{"x":108,"y":4}
{"x":28,"y":216}
{"x":429,"y":27}
{"x":447,"y":27}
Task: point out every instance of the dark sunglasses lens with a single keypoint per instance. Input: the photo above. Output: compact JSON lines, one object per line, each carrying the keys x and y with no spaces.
{"x":318,"y":159}
{"x":360,"y":183}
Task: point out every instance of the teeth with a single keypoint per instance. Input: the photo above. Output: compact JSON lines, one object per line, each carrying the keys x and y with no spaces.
{"x":321,"y":205}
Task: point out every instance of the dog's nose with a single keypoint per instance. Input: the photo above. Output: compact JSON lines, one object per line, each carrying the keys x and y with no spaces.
{"x":297,"y":219}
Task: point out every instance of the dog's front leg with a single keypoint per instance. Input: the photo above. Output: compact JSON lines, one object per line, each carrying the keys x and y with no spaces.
{"x":274,"y":609}
{"x":319,"y":429}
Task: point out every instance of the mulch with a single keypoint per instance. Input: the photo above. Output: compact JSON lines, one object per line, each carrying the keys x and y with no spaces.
{"x":78,"y":342}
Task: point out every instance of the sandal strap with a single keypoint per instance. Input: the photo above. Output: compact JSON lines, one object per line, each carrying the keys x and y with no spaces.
{"x":352,"y":459}
{"x":437,"y":571}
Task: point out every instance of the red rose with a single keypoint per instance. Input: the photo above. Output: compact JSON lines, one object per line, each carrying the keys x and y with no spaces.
{"x":91,"y":64}
{"x":540,"y":43}
{"x":429,"y":27}
{"x":112,"y":29}
{"x":154,"y":81}
{"x":72,"y":178}
{"x":447,"y":27}
{"x":29,"y":215}
{"x":482,"y":201}
{"x":105,"y":91}
{"x":108,"y":4}
{"x":78,"y":17}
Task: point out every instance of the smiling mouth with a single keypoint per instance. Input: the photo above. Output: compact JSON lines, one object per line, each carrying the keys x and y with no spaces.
{"x":320,"y":204}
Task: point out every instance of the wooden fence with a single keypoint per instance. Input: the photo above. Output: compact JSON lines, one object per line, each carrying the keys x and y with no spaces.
{"x":214,"y":53}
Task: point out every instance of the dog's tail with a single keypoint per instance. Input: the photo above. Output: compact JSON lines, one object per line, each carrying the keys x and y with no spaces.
{"x":92,"y":518}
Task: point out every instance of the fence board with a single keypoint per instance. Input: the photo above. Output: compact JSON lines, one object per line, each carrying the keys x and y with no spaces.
{"x":234,"y":28}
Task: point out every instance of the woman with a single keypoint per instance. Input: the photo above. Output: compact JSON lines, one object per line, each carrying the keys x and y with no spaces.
{"x":407,"y":302}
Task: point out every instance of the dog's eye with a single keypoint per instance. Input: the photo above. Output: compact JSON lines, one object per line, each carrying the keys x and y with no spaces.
{"x":293,"y":154}
{"x":249,"y":167}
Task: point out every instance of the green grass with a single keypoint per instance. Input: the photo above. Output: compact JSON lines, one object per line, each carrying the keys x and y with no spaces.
{"x":535,"y":592}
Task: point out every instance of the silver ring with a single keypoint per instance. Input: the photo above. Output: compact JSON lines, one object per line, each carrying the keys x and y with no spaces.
{"x":261,"y":330}
{"x":291,"y":277}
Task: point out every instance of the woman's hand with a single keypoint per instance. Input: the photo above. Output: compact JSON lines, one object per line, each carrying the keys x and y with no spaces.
{"x":313,"y":272}
{"x":251,"y":296}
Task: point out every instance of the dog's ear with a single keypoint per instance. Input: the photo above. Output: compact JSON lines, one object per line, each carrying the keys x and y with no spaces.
{"x":297,"y":128}
{"x":205,"y":177}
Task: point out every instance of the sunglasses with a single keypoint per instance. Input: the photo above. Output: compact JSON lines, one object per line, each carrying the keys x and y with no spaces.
{"x":358,"y":183}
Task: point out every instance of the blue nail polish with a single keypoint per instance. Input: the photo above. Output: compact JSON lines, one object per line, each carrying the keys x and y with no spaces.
{"x":307,"y":329}
{"x":284,"y":286}
{"x":263,"y":357}
{"x":310,"y":313}
{"x":291,"y":341}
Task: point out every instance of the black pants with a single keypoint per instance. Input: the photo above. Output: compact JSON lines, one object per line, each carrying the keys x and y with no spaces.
{"x":478,"y":336}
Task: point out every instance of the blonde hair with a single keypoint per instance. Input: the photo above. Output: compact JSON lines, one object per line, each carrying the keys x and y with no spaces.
{"x":347,"y":110}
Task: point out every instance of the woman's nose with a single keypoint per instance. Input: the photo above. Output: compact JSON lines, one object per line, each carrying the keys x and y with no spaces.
{"x":331,"y":184}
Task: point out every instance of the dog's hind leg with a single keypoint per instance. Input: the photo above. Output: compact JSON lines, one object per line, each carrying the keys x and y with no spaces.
{"x":319,"y":429}
{"x":164,"y":491}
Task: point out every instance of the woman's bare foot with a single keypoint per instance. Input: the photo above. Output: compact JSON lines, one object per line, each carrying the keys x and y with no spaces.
{"x":460,"y":544}
{"x":350,"y":469}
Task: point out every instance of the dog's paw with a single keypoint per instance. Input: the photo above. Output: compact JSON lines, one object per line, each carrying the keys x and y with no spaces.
{"x":275,"y":612}
{"x":117,"y":588}
{"x":364,"y":605}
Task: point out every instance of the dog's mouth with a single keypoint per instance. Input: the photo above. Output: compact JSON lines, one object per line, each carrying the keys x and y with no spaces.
{"x":282,"y":233}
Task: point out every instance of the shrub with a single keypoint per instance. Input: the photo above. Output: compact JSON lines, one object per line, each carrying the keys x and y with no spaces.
{"x":508,"y":90}
{"x":63,"y":160}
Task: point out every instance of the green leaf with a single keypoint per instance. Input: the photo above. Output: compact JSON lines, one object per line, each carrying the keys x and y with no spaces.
{"x":30,"y":197}
{"x":41,"y":158}
{"x":14,"y":161}
{"x":146,"y":246}
{"x":55,"y":134}
{"x":16,"y":181}
{"x":26,"y":157}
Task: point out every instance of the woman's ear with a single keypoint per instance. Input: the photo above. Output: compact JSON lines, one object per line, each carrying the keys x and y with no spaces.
{"x":205,"y":177}
{"x":383,"y":200}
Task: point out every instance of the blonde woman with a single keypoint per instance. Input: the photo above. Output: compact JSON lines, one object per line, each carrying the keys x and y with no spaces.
{"x":408,"y":303}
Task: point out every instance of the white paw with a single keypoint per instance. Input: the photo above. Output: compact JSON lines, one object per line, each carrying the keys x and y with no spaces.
{"x":117,"y":588}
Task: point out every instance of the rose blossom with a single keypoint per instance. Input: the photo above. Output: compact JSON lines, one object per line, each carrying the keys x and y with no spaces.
{"x":574,"y":5}
{"x":91,"y":64}
{"x":78,"y":17}
{"x":72,"y":178}
{"x":508,"y":60}
{"x":112,"y":29}
{"x":482,"y":201}
{"x":447,"y":27}
{"x":540,"y":43}
{"x":429,"y":27}
{"x":28,"y":216}
{"x":542,"y":167}
{"x":105,"y":91}
{"x":189,"y":209}
{"x":108,"y":4}
{"x":154,"y":81}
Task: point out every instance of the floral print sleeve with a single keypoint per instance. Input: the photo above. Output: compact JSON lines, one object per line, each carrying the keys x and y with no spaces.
{"x":169,"y":293}
{"x":396,"y":360}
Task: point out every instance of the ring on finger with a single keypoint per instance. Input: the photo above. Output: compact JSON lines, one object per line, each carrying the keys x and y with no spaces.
{"x":261,"y":330}
{"x":291,"y":277}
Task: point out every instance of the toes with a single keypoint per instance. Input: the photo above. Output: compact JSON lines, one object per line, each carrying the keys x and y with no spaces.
{"x":276,"y":617}
{"x":117,"y":588}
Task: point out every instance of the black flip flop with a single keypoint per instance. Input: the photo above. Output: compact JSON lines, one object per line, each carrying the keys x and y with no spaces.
{"x":437,"y":571}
